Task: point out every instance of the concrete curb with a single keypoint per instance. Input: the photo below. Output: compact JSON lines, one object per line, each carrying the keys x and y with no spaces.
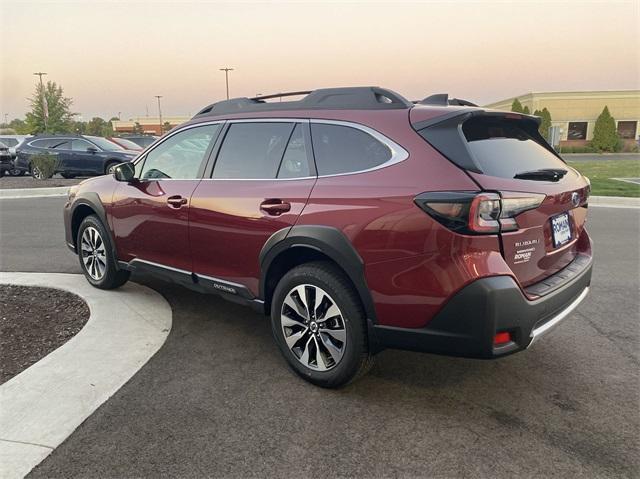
{"x":614,"y":202}
{"x":18,"y":193}
{"x":44,"y":404}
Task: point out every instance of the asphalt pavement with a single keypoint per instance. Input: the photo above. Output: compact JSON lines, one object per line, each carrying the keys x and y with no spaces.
{"x":218,"y":400}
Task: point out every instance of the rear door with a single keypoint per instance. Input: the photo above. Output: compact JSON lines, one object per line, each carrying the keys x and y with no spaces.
{"x":506,"y":154}
{"x":260,"y":182}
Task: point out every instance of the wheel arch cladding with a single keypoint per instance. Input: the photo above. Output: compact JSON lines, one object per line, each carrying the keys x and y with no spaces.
{"x":290,"y":247}
{"x":89,"y":204}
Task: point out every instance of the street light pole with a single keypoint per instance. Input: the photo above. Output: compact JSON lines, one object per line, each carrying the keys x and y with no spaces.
{"x":226,"y":71}
{"x":45,"y":108}
{"x":160,"y":114}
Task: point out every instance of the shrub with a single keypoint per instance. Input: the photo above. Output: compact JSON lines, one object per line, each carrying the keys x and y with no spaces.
{"x":605,"y":136}
{"x":516,"y":106}
{"x":44,"y":165}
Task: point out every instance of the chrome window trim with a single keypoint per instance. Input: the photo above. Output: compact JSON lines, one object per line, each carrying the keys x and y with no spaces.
{"x":398,"y":153}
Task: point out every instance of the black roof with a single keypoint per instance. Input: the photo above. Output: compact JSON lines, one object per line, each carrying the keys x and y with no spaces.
{"x":350,"y":98}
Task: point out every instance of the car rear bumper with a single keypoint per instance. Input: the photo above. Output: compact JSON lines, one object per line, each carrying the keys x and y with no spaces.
{"x":467,"y":324}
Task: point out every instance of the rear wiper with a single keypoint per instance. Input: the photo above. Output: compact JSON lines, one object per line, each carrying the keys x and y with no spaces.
{"x":544,"y":174}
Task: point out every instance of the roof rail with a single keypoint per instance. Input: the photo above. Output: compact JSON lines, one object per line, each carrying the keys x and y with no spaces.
{"x":352,"y":98}
{"x":442,"y":99}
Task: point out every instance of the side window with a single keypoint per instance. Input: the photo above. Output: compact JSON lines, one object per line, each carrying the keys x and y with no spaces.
{"x":295,"y":162}
{"x":343,"y":149}
{"x":179,"y":157}
{"x":42,"y":143}
{"x":61,"y":145}
{"x":80,"y":145}
{"x":252,"y":150}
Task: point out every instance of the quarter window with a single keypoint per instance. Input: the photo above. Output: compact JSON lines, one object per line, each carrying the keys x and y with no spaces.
{"x":295,"y":162}
{"x":342,"y":149}
{"x":577,"y":130}
{"x":253,"y":150}
{"x":180,"y":156}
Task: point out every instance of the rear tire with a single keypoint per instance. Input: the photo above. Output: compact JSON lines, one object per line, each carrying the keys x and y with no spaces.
{"x":97,"y":257}
{"x":16,"y":172}
{"x":325,"y":343}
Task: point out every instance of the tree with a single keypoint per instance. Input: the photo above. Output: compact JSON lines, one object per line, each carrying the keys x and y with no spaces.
{"x":516,"y":106}
{"x":59,"y":118}
{"x":605,"y":136}
{"x":166,"y":127}
{"x":137,"y":129}
{"x":525,"y":110}
{"x":20,"y":127}
{"x":545,"y":123}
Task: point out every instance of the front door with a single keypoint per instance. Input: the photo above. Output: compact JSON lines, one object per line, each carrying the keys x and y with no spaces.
{"x":261,"y":180}
{"x":150,"y":216}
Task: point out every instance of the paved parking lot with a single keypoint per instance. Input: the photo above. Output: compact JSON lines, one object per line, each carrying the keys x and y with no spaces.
{"x":217,"y":399}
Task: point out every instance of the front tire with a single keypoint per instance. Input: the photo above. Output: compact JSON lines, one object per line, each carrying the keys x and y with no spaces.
{"x":16,"y":172}
{"x":96,"y":255}
{"x":110,"y":166}
{"x":319,"y":325}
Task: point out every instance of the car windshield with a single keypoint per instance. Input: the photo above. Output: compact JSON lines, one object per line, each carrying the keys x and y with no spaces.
{"x":129,"y":145}
{"x":104,"y":144}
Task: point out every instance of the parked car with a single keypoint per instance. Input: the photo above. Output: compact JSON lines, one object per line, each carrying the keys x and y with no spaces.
{"x":13,"y":141}
{"x":126,"y":144}
{"x":6,"y":160}
{"x":357,"y":220}
{"x":78,"y":155}
{"x":141,"y":140}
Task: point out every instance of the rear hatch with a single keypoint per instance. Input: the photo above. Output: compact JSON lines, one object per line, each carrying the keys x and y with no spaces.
{"x":543,"y":200}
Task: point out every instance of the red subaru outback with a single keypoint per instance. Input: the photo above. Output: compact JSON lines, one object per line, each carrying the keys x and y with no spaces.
{"x":356,"y":219}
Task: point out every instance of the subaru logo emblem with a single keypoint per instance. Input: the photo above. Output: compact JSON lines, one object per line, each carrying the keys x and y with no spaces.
{"x":575,"y":199}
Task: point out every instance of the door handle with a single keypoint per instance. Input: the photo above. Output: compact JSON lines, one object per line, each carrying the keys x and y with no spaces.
{"x":176,"y":201}
{"x":275,"y":207}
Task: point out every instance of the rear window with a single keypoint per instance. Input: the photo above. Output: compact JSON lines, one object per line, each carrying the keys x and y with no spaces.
{"x":504,"y":147}
{"x":9,"y":141}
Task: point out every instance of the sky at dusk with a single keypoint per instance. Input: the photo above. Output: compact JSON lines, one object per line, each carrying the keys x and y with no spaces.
{"x":114,"y":57}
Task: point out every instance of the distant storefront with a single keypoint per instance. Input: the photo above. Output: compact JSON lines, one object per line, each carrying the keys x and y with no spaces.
{"x":147,"y":125}
{"x":576,"y":112}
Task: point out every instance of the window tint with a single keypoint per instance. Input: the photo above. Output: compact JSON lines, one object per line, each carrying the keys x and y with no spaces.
{"x":506,"y":147}
{"x":180,"y":156}
{"x":252,"y":150}
{"x":9,"y":141}
{"x":48,"y":143}
{"x":342,"y":149}
{"x":295,"y":163}
{"x":61,"y":145}
{"x":80,"y":145}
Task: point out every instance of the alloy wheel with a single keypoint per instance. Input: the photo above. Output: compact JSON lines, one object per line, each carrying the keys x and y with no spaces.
{"x":313,"y":327}
{"x":93,"y":253}
{"x":36,"y":173}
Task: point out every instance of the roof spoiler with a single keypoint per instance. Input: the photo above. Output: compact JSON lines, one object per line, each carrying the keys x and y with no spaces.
{"x":442,"y":99}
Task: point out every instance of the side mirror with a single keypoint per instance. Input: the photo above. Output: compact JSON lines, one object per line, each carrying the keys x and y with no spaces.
{"x":125,"y":172}
{"x":92,"y":149}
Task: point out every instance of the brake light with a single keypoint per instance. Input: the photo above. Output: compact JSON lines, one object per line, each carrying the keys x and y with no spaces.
{"x":478,"y":213}
{"x":501,"y":338}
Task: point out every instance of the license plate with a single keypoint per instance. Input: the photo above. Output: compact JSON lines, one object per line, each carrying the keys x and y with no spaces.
{"x":561,"y":229}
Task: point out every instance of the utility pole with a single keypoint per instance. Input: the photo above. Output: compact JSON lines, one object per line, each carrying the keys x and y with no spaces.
{"x":160,"y":114}
{"x":6,"y":121}
{"x":119,"y":113}
{"x":226,"y":71}
{"x":45,"y":107}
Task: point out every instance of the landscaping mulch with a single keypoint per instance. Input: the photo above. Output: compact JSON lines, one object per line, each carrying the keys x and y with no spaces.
{"x":16,"y":182}
{"x":34,"y":322}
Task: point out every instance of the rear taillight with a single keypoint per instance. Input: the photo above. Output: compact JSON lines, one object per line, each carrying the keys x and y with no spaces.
{"x":477,"y":213}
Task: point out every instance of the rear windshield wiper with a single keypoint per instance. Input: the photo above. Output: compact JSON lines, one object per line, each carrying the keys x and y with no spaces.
{"x":544,"y":174}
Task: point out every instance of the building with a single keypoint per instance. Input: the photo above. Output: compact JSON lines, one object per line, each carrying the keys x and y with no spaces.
{"x":575,"y":112}
{"x":149,"y":125}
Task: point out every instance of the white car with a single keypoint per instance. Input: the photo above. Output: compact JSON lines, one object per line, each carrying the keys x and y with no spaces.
{"x":13,"y":142}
